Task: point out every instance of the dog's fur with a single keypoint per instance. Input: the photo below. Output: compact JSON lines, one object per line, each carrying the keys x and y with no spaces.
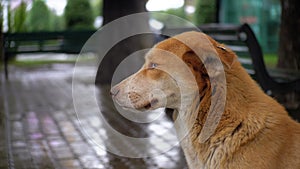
{"x":254,"y":131}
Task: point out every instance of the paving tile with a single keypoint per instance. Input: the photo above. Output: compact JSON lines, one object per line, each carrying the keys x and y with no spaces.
{"x":59,"y":116}
{"x":37,"y":153}
{"x":57,"y":143}
{"x":19,"y":144}
{"x":36,"y":144}
{"x":17,"y":125}
{"x":54,"y":137}
{"x":81,"y":148}
{"x":18,"y":135}
{"x":32,"y":122}
{"x":21,"y":153}
{"x":67,"y":127}
{"x":63,"y":153}
{"x":44,"y":162}
{"x":22,"y":163}
{"x":73,"y":137}
{"x":90,"y":161}
{"x":70,"y":164}
{"x":49,"y":126}
{"x":36,"y":136}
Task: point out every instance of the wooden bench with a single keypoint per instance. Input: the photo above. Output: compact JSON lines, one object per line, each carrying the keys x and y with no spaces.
{"x":241,"y":39}
{"x":43,"y":42}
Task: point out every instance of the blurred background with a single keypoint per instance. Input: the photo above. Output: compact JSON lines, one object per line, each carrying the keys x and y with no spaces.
{"x":59,"y":15}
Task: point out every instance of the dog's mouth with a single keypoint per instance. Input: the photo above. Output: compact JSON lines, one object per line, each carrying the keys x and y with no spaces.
{"x":135,"y":101}
{"x":147,"y":105}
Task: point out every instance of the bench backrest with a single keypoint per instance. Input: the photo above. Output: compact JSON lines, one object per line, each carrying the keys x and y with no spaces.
{"x":57,"y":42}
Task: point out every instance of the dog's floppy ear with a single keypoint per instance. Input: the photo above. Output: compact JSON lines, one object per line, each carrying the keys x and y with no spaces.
{"x":225,"y":54}
{"x":203,"y":47}
{"x":208,"y":50}
{"x":198,"y":69}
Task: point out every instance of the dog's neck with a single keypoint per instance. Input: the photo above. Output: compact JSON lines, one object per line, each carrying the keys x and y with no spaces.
{"x":185,"y":119}
{"x":192,"y":118}
{"x":195,"y":111}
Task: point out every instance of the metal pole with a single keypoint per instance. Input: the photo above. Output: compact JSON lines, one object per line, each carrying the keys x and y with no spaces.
{"x":10,"y":159}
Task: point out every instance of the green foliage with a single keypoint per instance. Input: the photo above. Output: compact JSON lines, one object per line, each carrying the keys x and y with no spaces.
{"x":79,"y":15}
{"x":170,"y":22}
{"x":178,"y":12}
{"x":19,"y":18}
{"x":34,"y":63}
{"x":1,"y":16}
{"x":39,"y":17}
{"x":205,"y":12}
{"x":56,"y":22}
{"x":271,"y":60}
{"x":16,"y":18}
{"x":9,"y":18}
{"x":97,"y":6}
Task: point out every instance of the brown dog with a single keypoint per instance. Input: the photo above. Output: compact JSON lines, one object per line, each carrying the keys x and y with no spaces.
{"x":254,"y":131}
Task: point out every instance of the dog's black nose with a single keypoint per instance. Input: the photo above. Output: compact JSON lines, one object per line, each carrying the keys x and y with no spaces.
{"x":114,"y":91}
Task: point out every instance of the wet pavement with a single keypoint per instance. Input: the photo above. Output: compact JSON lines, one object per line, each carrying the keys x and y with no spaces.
{"x":41,"y":128}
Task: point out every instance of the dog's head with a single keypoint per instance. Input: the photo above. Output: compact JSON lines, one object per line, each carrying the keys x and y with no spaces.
{"x":173,"y":72}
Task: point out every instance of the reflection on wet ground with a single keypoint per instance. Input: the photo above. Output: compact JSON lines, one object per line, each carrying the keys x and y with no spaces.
{"x":43,"y":130}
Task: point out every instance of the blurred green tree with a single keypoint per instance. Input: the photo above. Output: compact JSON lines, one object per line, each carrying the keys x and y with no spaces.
{"x":205,"y":12}
{"x":79,"y":15}
{"x":1,"y":17}
{"x":9,"y":18}
{"x":39,"y":17}
{"x":97,"y":6}
{"x":168,"y":21}
{"x":19,"y":15}
{"x":1,"y":39}
{"x":57,"y":22}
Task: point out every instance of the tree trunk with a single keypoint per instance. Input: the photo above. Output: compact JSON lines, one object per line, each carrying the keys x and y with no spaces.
{"x":1,"y":34}
{"x":112,"y":10}
{"x":289,"y":47}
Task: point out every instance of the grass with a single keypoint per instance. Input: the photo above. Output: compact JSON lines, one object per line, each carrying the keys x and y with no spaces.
{"x":34,"y":63}
{"x":271,"y":60}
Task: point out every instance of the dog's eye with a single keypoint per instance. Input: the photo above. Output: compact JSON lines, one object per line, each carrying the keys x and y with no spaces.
{"x":152,"y":65}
